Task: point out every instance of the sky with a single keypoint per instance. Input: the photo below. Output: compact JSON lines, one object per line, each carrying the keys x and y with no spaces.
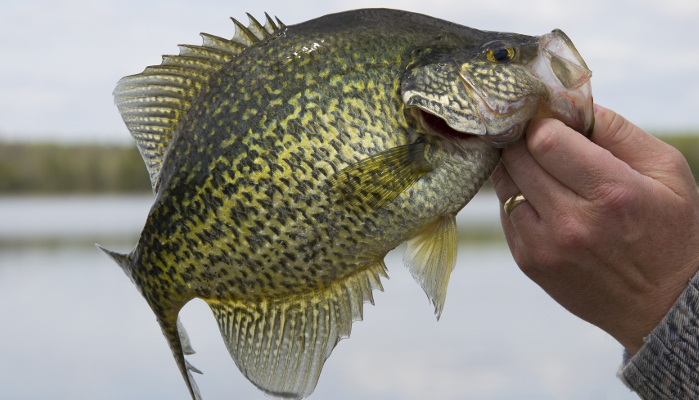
{"x":62,"y":58}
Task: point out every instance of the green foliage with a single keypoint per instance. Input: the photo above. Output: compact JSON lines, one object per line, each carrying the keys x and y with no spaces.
{"x":52,"y":168}
{"x":688,"y":145}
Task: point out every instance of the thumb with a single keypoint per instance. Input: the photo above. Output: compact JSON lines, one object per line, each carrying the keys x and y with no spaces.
{"x":643,"y":152}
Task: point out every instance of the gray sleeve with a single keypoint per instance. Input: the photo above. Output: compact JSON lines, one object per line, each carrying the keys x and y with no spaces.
{"x":667,"y":366}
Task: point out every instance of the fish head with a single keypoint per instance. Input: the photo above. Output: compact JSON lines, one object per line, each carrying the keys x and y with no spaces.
{"x":494,"y":89}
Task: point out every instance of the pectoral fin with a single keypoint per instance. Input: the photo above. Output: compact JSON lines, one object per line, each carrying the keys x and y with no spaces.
{"x":377,"y":180}
{"x":281,"y":345}
{"x":431,"y":257}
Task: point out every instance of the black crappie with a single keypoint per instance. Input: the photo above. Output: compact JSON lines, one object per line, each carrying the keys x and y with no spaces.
{"x":288,"y":161}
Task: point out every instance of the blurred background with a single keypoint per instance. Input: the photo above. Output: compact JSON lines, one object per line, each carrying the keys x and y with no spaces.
{"x":74,"y":327}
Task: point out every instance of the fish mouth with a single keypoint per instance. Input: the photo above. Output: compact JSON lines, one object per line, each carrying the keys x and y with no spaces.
{"x":567,"y":77}
{"x":563,"y":92}
{"x":435,"y":125}
{"x":463,"y":114}
{"x":457,"y":100}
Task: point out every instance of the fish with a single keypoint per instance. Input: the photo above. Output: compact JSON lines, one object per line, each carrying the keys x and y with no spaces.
{"x":286,"y":163}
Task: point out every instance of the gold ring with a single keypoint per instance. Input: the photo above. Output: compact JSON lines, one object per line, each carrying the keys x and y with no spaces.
{"x":513,"y":202}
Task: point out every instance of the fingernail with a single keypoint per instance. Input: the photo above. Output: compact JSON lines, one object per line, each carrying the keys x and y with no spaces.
{"x":597,"y":108}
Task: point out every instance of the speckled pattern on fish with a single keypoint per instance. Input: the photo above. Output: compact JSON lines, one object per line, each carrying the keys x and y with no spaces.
{"x":289,"y":160}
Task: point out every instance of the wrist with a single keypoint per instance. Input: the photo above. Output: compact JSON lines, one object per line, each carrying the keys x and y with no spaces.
{"x":664,"y":367}
{"x":656,"y":304}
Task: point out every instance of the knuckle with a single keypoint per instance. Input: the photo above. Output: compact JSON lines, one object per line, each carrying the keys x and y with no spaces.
{"x":613,"y":198}
{"x":572,"y":233}
{"x":528,"y":263}
{"x":545,"y":140}
{"x":675,"y":157}
{"x":522,"y":261}
{"x":538,"y":257}
{"x":513,"y":155}
{"x":676,"y":161}
{"x":620,"y":128}
{"x":497,"y":176}
{"x":544,"y":257}
{"x":673,"y":171}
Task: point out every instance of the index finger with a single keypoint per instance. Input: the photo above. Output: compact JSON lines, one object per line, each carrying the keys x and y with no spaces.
{"x":579,"y":164}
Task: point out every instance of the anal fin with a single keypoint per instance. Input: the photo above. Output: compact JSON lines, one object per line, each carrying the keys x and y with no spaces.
{"x":431,"y":256}
{"x":281,"y":345}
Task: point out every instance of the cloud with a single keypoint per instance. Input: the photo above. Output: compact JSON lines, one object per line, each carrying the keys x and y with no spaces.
{"x":65,"y":56}
{"x":680,"y":9}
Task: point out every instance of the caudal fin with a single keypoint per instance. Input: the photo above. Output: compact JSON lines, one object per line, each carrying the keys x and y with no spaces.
{"x":172,"y":328}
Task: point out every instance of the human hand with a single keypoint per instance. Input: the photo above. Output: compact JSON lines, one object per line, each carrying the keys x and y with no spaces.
{"x":610,"y":228}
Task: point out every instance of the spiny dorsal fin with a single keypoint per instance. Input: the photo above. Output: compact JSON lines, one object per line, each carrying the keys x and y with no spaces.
{"x":151,"y":103}
{"x":270,"y":25}
{"x":281,"y":345}
{"x":256,"y":28}
{"x":243,"y":35}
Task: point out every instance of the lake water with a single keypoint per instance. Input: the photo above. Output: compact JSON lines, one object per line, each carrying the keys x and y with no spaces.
{"x":72,"y":325}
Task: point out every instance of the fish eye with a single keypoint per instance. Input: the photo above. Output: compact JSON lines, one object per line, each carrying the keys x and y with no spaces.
{"x":500,"y":53}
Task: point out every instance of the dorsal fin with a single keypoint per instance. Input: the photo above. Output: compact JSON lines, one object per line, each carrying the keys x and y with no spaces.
{"x":151,"y":103}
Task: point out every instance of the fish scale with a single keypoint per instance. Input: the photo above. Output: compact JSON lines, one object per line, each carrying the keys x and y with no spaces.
{"x":288,"y":161}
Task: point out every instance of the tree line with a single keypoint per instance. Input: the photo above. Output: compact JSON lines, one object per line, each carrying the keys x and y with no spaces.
{"x":97,"y":169}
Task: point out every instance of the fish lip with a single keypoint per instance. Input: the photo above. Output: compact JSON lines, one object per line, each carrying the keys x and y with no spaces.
{"x":569,"y":87}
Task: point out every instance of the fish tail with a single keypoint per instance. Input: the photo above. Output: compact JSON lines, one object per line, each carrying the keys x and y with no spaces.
{"x":172,"y":328}
{"x":123,"y":260}
{"x":178,"y":340}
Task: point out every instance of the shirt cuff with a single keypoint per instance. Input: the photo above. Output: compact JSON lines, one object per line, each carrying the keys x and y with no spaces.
{"x":667,"y":366}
